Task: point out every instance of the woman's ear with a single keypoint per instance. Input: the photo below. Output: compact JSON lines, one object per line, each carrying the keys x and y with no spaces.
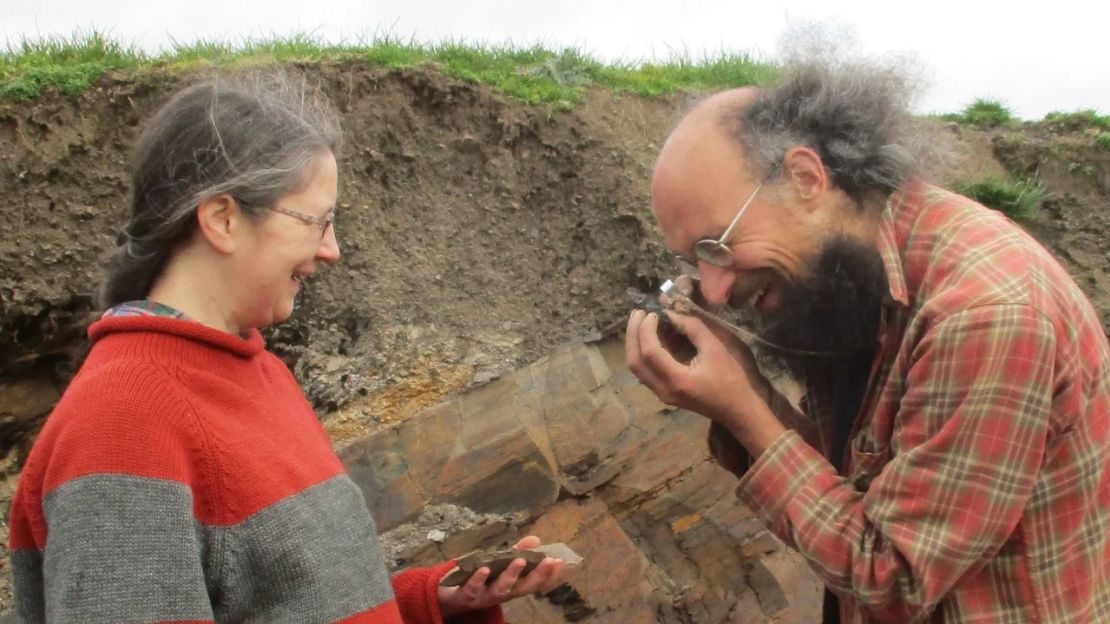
{"x":804,"y":172}
{"x":218,"y":220}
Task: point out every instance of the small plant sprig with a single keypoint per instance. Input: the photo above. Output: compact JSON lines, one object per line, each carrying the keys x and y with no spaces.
{"x":1086,"y":169}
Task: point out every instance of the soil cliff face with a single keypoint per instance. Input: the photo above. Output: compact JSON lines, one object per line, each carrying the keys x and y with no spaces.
{"x":478,"y":235}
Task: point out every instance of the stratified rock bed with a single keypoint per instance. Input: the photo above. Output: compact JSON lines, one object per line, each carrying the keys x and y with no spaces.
{"x":573,"y":449}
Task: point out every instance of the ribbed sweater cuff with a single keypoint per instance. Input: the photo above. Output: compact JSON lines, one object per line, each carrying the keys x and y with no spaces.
{"x":417,"y":595}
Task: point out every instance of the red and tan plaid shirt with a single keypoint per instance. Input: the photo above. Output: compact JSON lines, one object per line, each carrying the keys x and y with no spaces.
{"x":977,"y":484}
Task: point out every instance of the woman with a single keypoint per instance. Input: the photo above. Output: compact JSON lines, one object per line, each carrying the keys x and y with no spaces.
{"x":183,"y":476}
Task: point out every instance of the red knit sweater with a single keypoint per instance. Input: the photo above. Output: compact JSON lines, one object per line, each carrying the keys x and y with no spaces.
{"x":184,"y":477}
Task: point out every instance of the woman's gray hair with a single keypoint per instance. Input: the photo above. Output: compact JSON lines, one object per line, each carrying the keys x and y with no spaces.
{"x":854,"y":115}
{"x":253,"y":138}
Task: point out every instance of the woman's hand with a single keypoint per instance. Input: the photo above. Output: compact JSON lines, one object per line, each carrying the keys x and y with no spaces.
{"x":474,"y":594}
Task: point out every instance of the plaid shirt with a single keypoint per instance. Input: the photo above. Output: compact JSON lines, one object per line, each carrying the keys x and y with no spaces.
{"x":976,"y":485}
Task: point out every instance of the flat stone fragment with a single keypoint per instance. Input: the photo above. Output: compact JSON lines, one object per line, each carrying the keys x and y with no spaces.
{"x":496,"y":561}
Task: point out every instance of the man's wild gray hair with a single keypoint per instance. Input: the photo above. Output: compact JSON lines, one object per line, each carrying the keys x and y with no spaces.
{"x":855,"y":115}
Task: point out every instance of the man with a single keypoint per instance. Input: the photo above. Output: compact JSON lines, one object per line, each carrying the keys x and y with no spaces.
{"x":951,"y":461}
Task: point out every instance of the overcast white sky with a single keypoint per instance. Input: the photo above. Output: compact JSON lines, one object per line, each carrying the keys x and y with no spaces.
{"x":1035,"y":57}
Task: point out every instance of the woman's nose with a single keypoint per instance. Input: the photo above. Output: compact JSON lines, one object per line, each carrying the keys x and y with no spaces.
{"x":329,"y":246}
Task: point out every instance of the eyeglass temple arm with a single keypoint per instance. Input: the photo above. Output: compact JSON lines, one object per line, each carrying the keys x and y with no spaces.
{"x":740,"y":213}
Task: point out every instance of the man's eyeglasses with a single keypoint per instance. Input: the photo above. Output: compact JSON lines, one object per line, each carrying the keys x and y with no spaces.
{"x":321,"y":222}
{"x":716,"y":251}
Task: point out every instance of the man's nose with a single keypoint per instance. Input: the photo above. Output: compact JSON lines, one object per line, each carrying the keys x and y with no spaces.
{"x":715,"y":283}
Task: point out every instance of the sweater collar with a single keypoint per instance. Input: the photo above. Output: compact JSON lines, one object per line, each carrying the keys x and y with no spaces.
{"x":246,"y":347}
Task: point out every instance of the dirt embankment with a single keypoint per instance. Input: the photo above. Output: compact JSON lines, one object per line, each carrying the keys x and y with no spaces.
{"x":477,"y":234}
{"x":1075,"y":219}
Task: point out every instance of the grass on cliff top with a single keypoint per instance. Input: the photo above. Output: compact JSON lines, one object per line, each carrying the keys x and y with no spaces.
{"x":1079,"y":120}
{"x":532,"y":74}
{"x":1088,"y":121}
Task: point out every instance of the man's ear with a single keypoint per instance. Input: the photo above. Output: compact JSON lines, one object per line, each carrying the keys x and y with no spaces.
{"x":219,"y":219}
{"x":803,"y":170}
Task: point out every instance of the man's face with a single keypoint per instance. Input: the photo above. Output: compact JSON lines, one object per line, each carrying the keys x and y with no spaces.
{"x":812,"y":282}
{"x":802,"y":296}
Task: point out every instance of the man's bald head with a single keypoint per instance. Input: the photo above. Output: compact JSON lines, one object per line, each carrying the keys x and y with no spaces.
{"x":717,"y":109}
{"x":706,"y":132}
{"x":702,"y":161}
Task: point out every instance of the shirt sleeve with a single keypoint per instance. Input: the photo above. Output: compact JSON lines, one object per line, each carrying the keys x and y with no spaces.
{"x":417,"y":595}
{"x":967,"y":444}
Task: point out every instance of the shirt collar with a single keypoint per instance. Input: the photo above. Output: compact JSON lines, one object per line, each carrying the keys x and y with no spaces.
{"x":887,"y":241}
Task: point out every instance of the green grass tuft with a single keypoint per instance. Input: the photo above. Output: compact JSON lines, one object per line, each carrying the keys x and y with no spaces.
{"x":983,"y":113}
{"x":533,"y":74}
{"x":1017,"y":199}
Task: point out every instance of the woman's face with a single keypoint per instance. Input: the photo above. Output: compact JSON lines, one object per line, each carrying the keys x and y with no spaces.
{"x":280,"y":250}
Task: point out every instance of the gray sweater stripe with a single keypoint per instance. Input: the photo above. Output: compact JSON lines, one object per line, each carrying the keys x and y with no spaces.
{"x":27,"y":585}
{"x":312,"y":557}
{"x":122,"y":548}
{"x":126,"y":548}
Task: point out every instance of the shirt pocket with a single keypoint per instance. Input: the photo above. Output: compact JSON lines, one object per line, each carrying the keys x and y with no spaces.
{"x":866,"y":464}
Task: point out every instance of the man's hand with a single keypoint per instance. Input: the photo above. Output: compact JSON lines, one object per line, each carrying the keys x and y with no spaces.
{"x":721,"y":382}
{"x":474,"y":594}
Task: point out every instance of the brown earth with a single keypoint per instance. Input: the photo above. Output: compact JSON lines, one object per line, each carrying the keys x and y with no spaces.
{"x":478,"y":234}
{"x":1075,"y":219}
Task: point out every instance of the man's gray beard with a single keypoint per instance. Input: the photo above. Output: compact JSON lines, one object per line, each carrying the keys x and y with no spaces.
{"x":836,"y":308}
